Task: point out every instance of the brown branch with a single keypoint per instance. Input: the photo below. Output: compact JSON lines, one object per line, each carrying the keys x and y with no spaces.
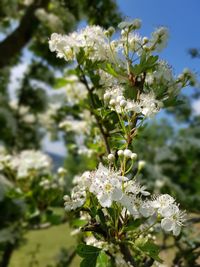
{"x":17,"y":40}
{"x":127,"y":255}
{"x":193,"y":220}
{"x":100,"y":125}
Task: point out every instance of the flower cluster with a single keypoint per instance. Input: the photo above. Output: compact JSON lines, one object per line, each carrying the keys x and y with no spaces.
{"x":92,"y":39}
{"x":146,"y":105}
{"x":25,"y":163}
{"x":123,"y":82}
{"x":123,"y":63}
{"x":165,"y":206}
{"x":109,"y":187}
{"x":75,"y":90}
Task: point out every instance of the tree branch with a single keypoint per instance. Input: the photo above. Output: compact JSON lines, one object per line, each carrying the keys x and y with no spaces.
{"x":100,"y":125}
{"x":13,"y":44}
{"x":127,"y":255}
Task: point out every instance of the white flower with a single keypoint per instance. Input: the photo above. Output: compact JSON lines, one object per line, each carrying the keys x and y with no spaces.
{"x":84,"y":180}
{"x":29,"y":161}
{"x":135,"y":188}
{"x":131,"y":203}
{"x":173,"y":219}
{"x":161,"y":202}
{"x":106,"y":185}
{"x":92,"y":39}
{"x":77,"y":126}
{"x":135,"y":43}
{"x":160,"y":38}
{"x":77,"y":199}
{"x":146,"y":209}
{"x":76,"y":91}
{"x":149,"y":105}
{"x":106,"y":79}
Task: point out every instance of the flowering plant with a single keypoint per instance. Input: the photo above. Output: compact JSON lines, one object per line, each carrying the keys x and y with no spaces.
{"x":122,"y":82}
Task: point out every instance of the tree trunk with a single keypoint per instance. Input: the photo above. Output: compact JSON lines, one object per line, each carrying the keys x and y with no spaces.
{"x":11,"y":46}
{"x":7,"y":255}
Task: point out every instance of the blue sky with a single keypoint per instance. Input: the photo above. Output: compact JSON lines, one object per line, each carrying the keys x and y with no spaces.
{"x":182,"y":17}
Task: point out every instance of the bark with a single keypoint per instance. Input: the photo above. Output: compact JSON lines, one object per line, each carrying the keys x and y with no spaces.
{"x":7,"y":255}
{"x":11,"y":46}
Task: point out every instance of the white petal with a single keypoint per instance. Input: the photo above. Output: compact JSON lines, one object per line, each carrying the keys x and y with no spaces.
{"x":176,"y":230}
{"x":117,"y":194}
{"x":105,"y":200}
{"x":167,"y":224}
{"x":146,"y":210}
{"x":169,"y":210}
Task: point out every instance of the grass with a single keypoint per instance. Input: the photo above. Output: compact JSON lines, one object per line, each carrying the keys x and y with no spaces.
{"x":42,"y":247}
{"x":45,"y":244}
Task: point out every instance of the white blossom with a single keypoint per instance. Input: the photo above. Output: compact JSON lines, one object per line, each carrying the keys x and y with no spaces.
{"x":29,"y":161}
{"x":107,"y":185}
{"x":162,"y":201}
{"x":76,"y":91}
{"x":77,"y":199}
{"x":160,"y":38}
{"x":92,"y":39}
{"x":173,"y":219}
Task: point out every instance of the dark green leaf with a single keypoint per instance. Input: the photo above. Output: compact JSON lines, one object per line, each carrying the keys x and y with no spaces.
{"x":87,"y":251}
{"x":149,"y":248}
{"x":89,"y":261}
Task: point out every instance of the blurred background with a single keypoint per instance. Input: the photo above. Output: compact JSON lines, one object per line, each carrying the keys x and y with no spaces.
{"x":31,"y":108}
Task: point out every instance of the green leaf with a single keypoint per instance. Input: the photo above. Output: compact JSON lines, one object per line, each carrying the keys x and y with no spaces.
{"x":149,"y":248}
{"x":151,"y":61}
{"x":101,"y":217}
{"x":103,"y":260}
{"x":111,"y":70}
{"x":59,"y":83}
{"x":111,"y":212}
{"x":81,"y":56}
{"x":79,"y":223}
{"x":133,"y":224}
{"x":87,"y":251}
{"x":89,"y":262}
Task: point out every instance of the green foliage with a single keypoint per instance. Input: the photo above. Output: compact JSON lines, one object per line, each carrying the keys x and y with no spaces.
{"x":89,"y":255}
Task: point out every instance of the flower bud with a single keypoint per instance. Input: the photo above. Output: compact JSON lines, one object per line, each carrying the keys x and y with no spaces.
{"x":141,"y":165}
{"x":111,"y":157}
{"x":145,"y":40}
{"x":112,"y":102}
{"x":133,"y":156}
{"x":123,"y":103}
{"x":120,"y":98}
{"x":137,"y":23}
{"x":62,"y":171}
{"x":66,"y":198}
{"x":106,"y":96}
{"x":110,"y":31}
{"x":127,"y":153}
{"x":120,"y":153}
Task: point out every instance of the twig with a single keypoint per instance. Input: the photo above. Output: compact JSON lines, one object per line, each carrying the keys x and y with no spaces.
{"x":100,"y":125}
{"x":127,"y":255}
